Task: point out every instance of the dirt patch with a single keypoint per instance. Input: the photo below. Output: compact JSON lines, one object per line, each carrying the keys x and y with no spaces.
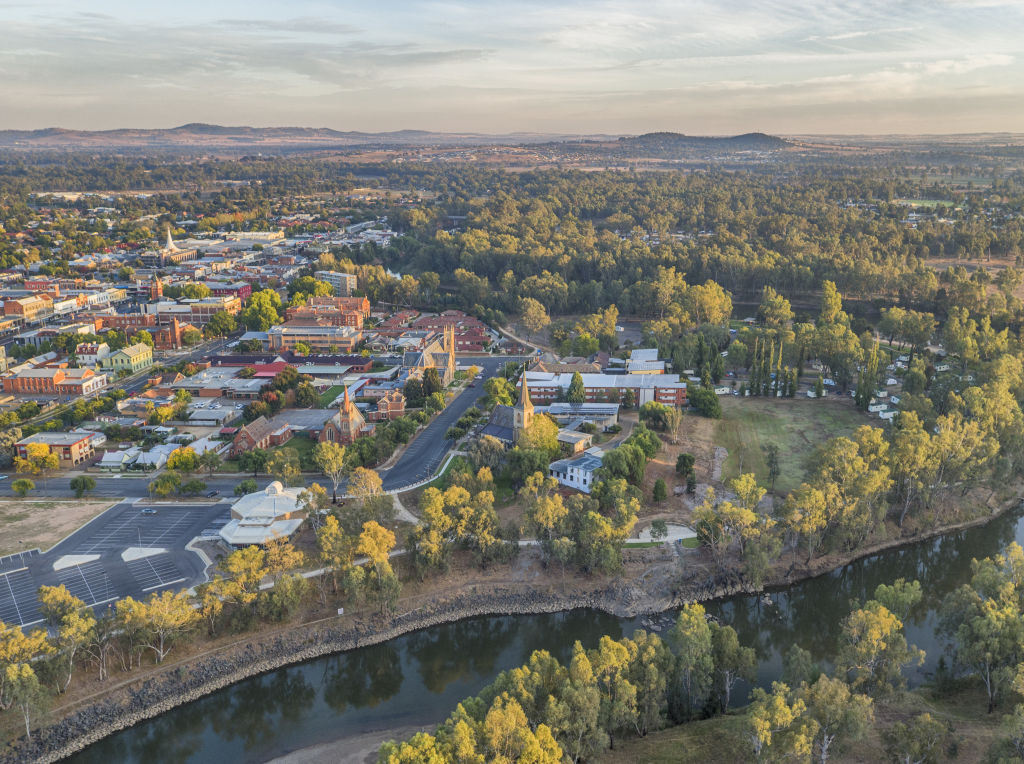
{"x":29,"y":523}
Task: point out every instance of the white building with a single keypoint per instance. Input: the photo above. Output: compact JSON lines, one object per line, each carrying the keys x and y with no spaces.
{"x":577,"y":472}
{"x":260,"y":517}
{"x":344,"y":284}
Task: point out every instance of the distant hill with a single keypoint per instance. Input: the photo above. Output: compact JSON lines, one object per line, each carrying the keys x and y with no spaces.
{"x":200,"y":136}
{"x":667,"y":143}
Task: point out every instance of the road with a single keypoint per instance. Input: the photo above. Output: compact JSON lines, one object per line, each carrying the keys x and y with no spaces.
{"x":121,"y":553}
{"x":424,"y":454}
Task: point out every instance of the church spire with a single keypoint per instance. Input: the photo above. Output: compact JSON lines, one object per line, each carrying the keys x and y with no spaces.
{"x":346,"y":405}
{"x":170,"y":241}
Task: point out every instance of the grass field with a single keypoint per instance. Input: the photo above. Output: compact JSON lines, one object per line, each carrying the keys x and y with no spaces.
{"x":796,"y":426}
{"x":327,"y":396}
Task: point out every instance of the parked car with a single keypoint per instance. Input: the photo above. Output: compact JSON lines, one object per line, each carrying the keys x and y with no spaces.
{"x":149,"y":511}
{"x":211,"y":494}
{"x":3,"y":477}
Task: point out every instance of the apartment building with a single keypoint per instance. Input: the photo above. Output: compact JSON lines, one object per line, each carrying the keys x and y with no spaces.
{"x":71,"y":448}
{"x":344,"y":284}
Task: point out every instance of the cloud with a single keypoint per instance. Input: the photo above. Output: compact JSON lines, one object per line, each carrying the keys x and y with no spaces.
{"x":562,"y":64}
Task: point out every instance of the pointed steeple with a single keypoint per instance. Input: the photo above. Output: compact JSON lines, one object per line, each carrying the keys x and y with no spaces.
{"x":346,"y":405}
{"x":170,"y":241}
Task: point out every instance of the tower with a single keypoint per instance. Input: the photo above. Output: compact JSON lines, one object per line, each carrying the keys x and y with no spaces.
{"x":522,"y":412}
{"x":169,"y":246}
{"x":449,"y":347}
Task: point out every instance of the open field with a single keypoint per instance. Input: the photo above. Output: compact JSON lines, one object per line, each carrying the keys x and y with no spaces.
{"x":28,"y":523}
{"x":797,"y":426}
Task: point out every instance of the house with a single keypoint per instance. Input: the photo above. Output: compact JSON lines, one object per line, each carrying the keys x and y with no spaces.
{"x":91,"y":353}
{"x":578,"y":471}
{"x":155,"y":458}
{"x":71,"y":448}
{"x":131,"y":359}
{"x":573,"y":442}
{"x":260,"y":433}
{"x":391,"y":405}
{"x":256,"y":518}
{"x":345,"y":426}
{"x":118,"y":461}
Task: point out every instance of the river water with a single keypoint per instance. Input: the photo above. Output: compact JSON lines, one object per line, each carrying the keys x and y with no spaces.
{"x":417,"y":679}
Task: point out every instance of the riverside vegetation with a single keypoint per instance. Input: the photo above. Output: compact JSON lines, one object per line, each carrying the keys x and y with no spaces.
{"x":546,"y":712}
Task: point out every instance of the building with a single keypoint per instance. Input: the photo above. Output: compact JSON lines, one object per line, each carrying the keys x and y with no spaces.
{"x":260,"y":433}
{"x":391,"y":405}
{"x":578,"y":471}
{"x":240,"y":289}
{"x":169,"y":254}
{"x":81,"y":382}
{"x":604,"y":415}
{"x":438,"y":355}
{"x":345,"y":426}
{"x":644,"y":361}
{"x":91,"y":353}
{"x":71,"y":448}
{"x":317,"y":337}
{"x":29,"y":309}
{"x":610,"y":388}
{"x":344,"y":284}
{"x":325,"y":314}
{"x":38,"y":381}
{"x":508,"y":422}
{"x":260,"y":517}
{"x":132,"y":359}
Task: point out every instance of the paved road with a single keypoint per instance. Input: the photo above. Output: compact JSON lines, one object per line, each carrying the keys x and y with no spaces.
{"x":121,"y":553}
{"x":425,"y":454}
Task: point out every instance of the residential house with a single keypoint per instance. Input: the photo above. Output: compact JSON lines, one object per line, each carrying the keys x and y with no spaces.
{"x":71,"y":448}
{"x":578,"y":471}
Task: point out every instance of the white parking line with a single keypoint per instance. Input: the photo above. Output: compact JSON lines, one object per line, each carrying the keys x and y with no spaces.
{"x":165,"y":583}
{"x":15,"y":599}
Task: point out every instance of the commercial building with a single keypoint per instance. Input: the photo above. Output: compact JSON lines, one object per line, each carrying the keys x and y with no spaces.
{"x":317,"y":337}
{"x":260,"y":517}
{"x":29,"y":309}
{"x":133,"y":358}
{"x":344,"y":284}
{"x":610,"y":388}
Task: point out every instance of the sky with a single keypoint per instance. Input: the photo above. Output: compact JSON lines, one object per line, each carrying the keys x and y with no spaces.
{"x":702,"y":67}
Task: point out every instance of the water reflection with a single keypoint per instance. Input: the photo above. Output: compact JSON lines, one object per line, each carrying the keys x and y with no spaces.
{"x":417,"y":679}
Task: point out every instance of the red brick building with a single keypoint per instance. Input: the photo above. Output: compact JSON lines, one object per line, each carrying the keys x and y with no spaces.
{"x":260,"y":433}
{"x":391,"y":405}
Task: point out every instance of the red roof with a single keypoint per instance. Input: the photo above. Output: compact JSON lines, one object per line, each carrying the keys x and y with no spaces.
{"x":270,"y":369}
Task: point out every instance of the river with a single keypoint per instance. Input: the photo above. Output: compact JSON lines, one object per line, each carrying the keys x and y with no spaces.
{"x":417,"y":679}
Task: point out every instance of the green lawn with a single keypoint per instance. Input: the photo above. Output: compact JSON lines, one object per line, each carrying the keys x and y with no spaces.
{"x":328,"y":395}
{"x":641,"y":544}
{"x":796,"y":426}
{"x":693,"y":543}
{"x":304,"y":446}
{"x":719,"y":740}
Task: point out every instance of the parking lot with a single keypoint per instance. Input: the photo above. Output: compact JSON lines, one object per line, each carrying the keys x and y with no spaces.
{"x":125,"y":551}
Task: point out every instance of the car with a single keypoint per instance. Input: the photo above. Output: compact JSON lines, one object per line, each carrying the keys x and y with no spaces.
{"x":149,"y":511}
{"x":3,"y":477}
{"x":211,"y":494}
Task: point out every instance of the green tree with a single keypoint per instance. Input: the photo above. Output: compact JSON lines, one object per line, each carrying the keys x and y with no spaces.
{"x":839,"y":715}
{"x":922,"y":740}
{"x":533,"y":316}
{"x":577,"y":393}
{"x":660,"y":491}
{"x":246,"y":486}
{"x":873,"y":650}
{"x":220,"y":324}
{"x":690,"y":639}
{"x":210,"y":461}
{"x":22,"y":486}
{"x":254,"y":461}
{"x":82,"y":485}
{"x":143,"y":337}
{"x":261,"y":310}
{"x":332,"y":460}
{"x":432,"y":382}
{"x":705,"y":402}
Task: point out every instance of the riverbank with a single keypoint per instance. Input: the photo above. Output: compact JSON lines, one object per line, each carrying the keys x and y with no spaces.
{"x":652,"y":584}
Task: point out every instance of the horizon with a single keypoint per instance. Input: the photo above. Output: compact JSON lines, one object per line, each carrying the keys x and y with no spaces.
{"x":782,"y":68}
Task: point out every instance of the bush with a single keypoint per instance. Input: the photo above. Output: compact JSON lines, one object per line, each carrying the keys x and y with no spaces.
{"x":706,"y":403}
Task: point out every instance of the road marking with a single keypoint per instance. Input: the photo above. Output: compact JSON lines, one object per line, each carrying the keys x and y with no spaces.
{"x":13,"y":598}
{"x":165,"y":583}
{"x":8,"y":572}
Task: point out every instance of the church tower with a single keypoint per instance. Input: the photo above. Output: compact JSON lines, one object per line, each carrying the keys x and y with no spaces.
{"x":449,"y":347}
{"x":522,"y":412}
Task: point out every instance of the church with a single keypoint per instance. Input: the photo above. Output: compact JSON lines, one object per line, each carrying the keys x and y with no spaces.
{"x":168,"y":254}
{"x":507,"y":423}
{"x":438,"y":354}
{"x":345,"y":426}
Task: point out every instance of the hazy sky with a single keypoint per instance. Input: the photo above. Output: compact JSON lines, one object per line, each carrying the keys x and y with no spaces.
{"x":694,"y":66}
